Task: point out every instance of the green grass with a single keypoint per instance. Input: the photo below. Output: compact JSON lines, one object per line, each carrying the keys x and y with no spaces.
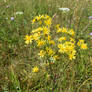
{"x":17,"y":59}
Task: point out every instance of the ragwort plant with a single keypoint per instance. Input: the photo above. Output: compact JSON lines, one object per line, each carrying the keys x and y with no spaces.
{"x":50,"y":49}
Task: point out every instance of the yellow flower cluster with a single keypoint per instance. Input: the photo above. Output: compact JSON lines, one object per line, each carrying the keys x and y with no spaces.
{"x":81,"y":44}
{"x":68,"y":48}
{"x":67,"y":44}
{"x":42,"y":38}
{"x":65,"y":30}
{"x":42,"y":19}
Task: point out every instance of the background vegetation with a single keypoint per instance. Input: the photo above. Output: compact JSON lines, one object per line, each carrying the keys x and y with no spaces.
{"x":17,"y":61}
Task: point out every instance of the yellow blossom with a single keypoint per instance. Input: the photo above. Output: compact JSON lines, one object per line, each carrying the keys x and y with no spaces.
{"x":57,"y":26}
{"x":28,"y":39}
{"x":61,"y":39}
{"x":35,"y":69}
{"x":46,"y":31}
{"x":56,"y":57}
{"x":80,"y":42}
{"x":36,"y":36}
{"x":49,"y":51}
{"x":83,"y":46}
{"x":48,"y":22}
{"x":37,"y":30}
{"x":40,"y":42}
{"x":52,"y":42}
{"x":64,"y":30}
{"x":71,"y":32}
{"x":42,"y":53}
{"x":59,"y":30}
{"x":49,"y":37}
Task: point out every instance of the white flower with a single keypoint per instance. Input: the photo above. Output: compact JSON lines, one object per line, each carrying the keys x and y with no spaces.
{"x":64,"y":9}
{"x":19,"y":13}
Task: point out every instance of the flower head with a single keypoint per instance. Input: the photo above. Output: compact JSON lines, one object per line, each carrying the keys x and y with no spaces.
{"x":19,"y":13}
{"x":90,"y":17}
{"x":64,"y":9}
{"x":91,"y":33}
{"x":12,"y":18}
{"x":35,"y":69}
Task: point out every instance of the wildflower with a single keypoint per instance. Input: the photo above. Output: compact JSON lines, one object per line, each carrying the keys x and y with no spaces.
{"x":64,"y":9}
{"x":58,"y":26}
{"x":49,"y":37}
{"x":91,"y":33}
{"x":42,"y":53}
{"x":52,"y":42}
{"x":61,"y":48}
{"x":33,"y":21}
{"x":12,"y":18}
{"x":35,"y":69}
{"x":37,"y":30}
{"x":19,"y":13}
{"x":71,"y":32}
{"x":49,"y":51}
{"x":48,"y":22}
{"x":36,"y":36}
{"x":71,"y":56}
{"x":64,"y":30}
{"x":72,"y":40}
{"x":80,"y":42}
{"x":83,"y":46}
{"x":90,"y":17}
{"x":46,"y":31}
{"x":40,"y":42}
{"x":56,"y":57}
{"x":59,"y":30}
{"x":61,"y":39}
{"x":28,"y":39}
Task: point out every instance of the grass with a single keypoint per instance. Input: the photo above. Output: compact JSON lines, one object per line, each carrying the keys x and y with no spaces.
{"x":17,"y":59}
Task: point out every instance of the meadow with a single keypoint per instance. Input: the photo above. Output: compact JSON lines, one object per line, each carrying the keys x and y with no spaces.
{"x":45,"y":45}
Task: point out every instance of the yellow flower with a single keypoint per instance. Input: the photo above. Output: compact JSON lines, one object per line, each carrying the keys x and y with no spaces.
{"x":52,"y":42}
{"x":59,"y":30}
{"x":83,"y":46}
{"x":71,"y":32}
{"x":61,"y":48}
{"x":48,"y":22}
{"x":71,"y":56}
{"x":46,"y":17}
{"x":72,"y":40}
{"x":41,"y":42}
{"x":56,"y":57}
{"x":46,"y":31}
{"x":28,"y":39}
{"x":37,"y":30}
{"x":36,"y":36}
{"x":38,"y":18}
{"x":49,"y":51}
{"x":61,"y":39}
{"x":57,"y":26}
{"x":64,"y":30}
{"x":35,"y":69}
{"x":42,"y":53}
{"x":80,"y":42}
{"x":33,"y":21}
{"x":49,"y":37}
